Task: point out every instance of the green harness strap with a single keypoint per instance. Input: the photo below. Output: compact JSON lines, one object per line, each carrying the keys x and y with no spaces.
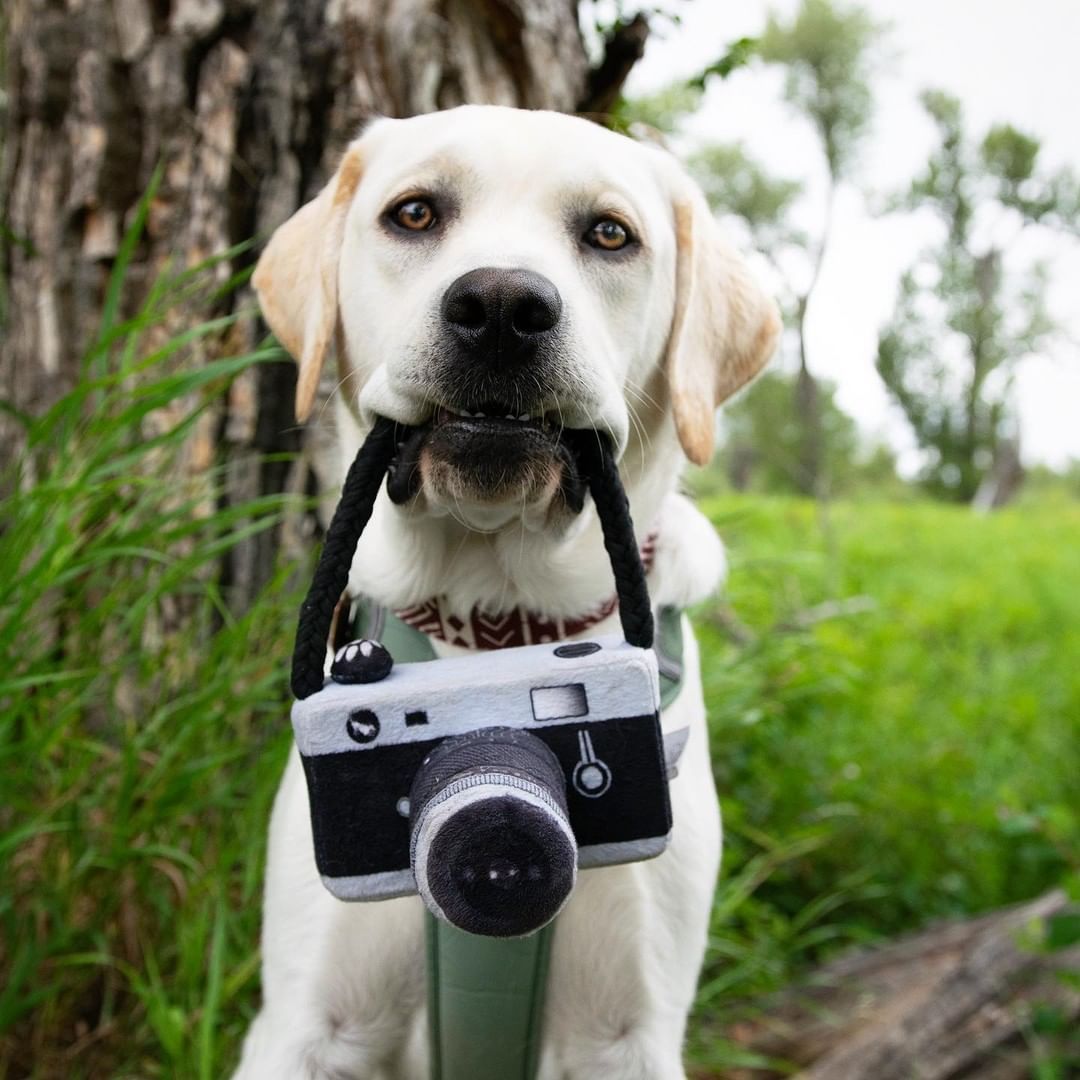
{"x":486,"y":995}
{"x":485,"y":1002}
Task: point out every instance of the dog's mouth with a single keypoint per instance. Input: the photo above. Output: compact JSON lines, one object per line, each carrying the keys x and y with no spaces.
{"x":494,"y":414}
{"x":490,"y":455}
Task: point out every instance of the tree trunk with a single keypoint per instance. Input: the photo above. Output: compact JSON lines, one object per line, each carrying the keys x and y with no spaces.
{"x":741,"y":459}
{"x":1002,"y":482}
{"x":810,"y":473}
{"x":246,"y":105}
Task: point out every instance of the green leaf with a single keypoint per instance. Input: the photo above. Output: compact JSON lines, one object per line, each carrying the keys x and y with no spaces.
{"x":739,"y":53}
{"x":1062,"y":930}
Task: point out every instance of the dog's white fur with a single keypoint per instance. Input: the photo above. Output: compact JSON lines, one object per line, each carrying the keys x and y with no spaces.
{"x":656,"y":342}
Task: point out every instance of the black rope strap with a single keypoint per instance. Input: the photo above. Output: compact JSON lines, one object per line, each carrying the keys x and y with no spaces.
{"x":332,"y":573}
{"x":592,"y":452}
{"x":597,"y":462}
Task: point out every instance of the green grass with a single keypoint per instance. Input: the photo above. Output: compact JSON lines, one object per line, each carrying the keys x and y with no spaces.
{"x":908,"y":760}
{"x":914,"y":759}
{"x":142,"y":721}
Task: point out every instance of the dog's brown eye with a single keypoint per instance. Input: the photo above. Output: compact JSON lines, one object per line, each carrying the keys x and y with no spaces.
{"x":608,"y":235}
{"x":415,"y":214}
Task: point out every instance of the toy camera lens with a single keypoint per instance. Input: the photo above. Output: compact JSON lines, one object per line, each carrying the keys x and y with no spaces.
{"x":492,"y":850}
{"x":505,"y":873}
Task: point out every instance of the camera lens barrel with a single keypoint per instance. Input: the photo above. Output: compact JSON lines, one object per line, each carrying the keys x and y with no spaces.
{"x":492,"y":850}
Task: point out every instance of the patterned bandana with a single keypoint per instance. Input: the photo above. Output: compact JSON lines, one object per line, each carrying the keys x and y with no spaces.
{"x":519,"y":626}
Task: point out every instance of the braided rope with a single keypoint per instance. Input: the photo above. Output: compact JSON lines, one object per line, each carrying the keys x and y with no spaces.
{"x":613,"y":508}
{"x":332,"y":573}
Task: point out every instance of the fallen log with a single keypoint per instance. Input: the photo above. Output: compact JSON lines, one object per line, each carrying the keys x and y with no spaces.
{"x":957,"y":1001}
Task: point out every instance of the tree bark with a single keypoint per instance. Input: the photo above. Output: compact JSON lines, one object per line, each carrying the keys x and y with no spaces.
{"x":246,"y":105}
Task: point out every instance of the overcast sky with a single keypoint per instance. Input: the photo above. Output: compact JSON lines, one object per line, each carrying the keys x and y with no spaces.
{"x":1006,"y":61}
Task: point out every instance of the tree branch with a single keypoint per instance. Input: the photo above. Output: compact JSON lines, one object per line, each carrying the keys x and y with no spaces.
{"x":623,"y":48}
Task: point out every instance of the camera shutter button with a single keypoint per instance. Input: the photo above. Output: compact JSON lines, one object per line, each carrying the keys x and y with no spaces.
{"x":361,"y":661}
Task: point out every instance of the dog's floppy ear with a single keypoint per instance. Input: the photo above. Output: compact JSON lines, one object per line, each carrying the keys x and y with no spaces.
{"x":296,"y":277}
{"x":724,"y":329}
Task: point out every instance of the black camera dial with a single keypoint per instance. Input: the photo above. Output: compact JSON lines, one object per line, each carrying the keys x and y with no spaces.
{"x":362,"y":726}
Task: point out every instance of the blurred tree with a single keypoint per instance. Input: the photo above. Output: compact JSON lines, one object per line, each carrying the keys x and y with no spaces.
{"x":762,"y":444}
{"x":1044,"y":483}
{"x":875,"y":471}
{"x":962,"y":323}
{"x":247,"y":105}
{"x":660,"y":112}
{"x":736,"y":185}
{"x":826,"y":52}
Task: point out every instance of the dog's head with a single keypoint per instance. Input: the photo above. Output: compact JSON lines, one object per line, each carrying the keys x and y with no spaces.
{"x":495,"y":276}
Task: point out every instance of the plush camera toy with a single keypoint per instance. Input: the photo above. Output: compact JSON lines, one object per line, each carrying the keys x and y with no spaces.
{"x":481,"y":782}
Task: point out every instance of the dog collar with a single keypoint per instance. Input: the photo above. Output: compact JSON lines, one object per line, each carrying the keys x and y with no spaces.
{"x":480,"y":629}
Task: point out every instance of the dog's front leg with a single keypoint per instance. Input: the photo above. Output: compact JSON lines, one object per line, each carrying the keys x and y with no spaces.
{"x":629,"y":945}
{"x":343,"y":984}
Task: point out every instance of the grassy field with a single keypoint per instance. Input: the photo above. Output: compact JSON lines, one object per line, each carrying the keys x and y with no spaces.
{"x":894,"y":696}
{"x":897,"y":737}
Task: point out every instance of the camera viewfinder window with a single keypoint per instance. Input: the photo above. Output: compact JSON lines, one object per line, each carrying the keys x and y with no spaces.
{"x":559,"y":702}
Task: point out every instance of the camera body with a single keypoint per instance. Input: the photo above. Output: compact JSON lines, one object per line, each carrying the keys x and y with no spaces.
{"x":595,"y":705}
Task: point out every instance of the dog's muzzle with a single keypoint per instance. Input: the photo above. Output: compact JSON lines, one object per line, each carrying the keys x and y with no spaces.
{"x":498,"y":346}
{"x":495,"y":439}
{"x":501,"y":319}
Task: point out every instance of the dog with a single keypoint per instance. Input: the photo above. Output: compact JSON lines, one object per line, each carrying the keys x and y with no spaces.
{"x":499,"y":275}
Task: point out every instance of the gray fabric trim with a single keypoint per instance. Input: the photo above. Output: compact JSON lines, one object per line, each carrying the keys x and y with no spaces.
{"x":669,"y":668}
{"x":385,"y":886}
{"x":624,"y":851}
{"x":401,"y":882}
{"x":485,"y":780}
{"x":674,"y":745}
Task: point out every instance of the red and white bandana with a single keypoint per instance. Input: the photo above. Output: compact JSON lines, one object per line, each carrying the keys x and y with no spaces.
{"x":519,"y":626}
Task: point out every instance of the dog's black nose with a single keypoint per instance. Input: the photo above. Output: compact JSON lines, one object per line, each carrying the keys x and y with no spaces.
{"x":504,"y":314}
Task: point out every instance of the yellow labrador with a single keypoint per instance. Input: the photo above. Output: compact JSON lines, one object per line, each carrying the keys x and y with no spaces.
{"x":543,"y":272}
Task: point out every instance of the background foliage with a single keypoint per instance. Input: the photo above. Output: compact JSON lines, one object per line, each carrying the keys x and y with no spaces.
{"x":896,"y":728}
{"x":969,"y":312}
{"x":892,"y":696}
{"x":891,"y":680}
